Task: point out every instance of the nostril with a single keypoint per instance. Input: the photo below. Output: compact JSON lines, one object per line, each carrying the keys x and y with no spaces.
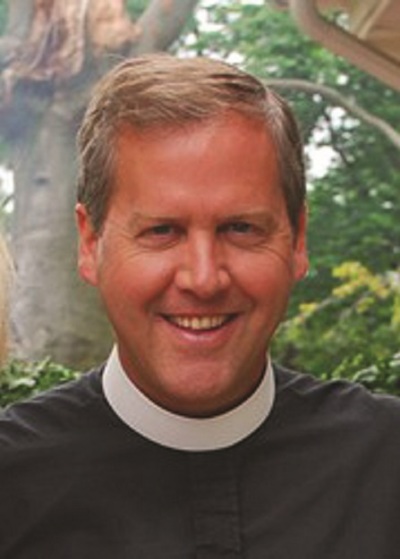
{"x":205,"y":283}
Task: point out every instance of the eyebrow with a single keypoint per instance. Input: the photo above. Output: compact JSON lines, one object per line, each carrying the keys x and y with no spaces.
{"x":267,"y":219}
{"x":138,"y":218}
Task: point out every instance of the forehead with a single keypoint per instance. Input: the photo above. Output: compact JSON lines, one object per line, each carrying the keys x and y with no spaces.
{"x":227,"y":131}
{"x":233,"y":156}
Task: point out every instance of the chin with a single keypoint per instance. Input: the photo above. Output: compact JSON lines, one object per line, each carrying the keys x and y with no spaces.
{"x":200,"y":401}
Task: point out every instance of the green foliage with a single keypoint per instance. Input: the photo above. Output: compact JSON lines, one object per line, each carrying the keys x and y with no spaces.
{"x":22,"y":379}
{"x":353,"y":334}
{"x":383,"y":377}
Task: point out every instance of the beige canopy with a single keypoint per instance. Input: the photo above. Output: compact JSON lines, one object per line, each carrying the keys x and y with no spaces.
{"x":370,"y":39}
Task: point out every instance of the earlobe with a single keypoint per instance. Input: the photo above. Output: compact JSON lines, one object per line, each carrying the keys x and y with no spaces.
{"x":87,"y":245}
{"x":301,"y":262}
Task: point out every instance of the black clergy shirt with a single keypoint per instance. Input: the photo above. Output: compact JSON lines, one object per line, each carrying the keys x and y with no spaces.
{"x":318,"y":479}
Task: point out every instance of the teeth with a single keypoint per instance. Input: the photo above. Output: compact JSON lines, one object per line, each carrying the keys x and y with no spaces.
{"x":198,"y":322}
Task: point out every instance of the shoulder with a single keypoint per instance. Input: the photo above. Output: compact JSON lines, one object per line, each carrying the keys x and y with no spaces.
{"x":336,"y":420}
{"x":52,"y":412}
{"x":337,"y":402}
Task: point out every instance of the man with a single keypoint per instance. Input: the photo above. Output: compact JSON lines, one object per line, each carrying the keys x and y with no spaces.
{"x":188,"y":443}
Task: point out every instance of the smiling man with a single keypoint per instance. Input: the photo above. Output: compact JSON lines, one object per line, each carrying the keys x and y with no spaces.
{"x":188,"y":442}
{"x":198,"y":241}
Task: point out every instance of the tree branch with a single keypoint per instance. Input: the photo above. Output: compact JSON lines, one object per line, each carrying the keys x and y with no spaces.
{"x":329,"y":93}
{"x":161,"y":23}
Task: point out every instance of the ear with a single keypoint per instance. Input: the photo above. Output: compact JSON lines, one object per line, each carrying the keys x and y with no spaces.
{"x":300,"y":248}
{"x":87,"y":245}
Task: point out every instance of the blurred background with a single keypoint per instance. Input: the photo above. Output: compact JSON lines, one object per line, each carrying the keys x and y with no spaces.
{"x":336,"y":61}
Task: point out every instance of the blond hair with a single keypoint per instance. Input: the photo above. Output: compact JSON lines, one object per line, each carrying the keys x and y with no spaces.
{"x":6,"y":273}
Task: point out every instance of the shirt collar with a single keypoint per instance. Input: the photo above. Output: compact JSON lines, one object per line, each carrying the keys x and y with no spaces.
{"x":180,"y":432}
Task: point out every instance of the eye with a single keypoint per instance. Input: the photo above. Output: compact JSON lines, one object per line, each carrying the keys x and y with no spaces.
{"x":160,"y":230}
{"x":240,"y":227}
{"x":160,"y":235}
{"x":237,"y":228}
{"x":243,"y":234}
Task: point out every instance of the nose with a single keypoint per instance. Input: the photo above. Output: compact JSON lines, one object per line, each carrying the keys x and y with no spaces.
{"x":202,"y":270}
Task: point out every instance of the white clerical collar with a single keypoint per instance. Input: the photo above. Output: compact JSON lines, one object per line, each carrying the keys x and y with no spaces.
{"x":181,"y":432}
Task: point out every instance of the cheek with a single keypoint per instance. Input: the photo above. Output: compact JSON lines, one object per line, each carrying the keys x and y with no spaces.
{"x":133,"y":282}
{"x":266,"y":275}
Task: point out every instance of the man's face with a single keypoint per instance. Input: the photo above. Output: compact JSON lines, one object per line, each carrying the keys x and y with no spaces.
{"x":195,"y":262}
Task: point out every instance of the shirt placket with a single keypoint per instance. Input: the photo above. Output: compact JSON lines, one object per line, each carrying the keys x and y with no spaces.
{"x":215,"y":505}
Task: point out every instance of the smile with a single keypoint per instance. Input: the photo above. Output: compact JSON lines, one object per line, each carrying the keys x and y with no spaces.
{"x":199,"y":322}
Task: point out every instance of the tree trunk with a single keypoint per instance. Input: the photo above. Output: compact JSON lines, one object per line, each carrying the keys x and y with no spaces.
{"x":42,"y":96}
{"x":54,"y":312}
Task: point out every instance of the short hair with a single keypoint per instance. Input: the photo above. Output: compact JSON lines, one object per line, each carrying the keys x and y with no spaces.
{"x":161,"y":90}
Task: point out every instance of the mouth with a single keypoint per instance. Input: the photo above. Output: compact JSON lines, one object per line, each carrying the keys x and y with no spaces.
{"x":200,"y":323}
